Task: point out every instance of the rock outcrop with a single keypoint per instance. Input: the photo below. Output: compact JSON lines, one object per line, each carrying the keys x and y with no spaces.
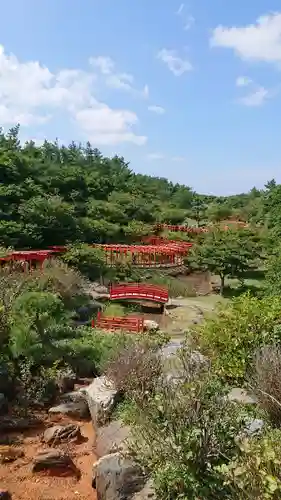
{"x":54,"y":460}
{"x":101,"y":397}
{"x":62,"y":434}
{"x":116,"y":477}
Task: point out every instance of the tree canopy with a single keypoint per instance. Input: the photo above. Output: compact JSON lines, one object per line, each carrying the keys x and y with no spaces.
{"x":52,"y":194}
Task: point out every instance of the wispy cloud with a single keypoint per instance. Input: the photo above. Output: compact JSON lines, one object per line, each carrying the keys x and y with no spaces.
{"x":162,"y":156}
{"x":156,"y":109}
{"x":115,"y":79}
{"x":186,"y":17}
{"x":175,"y":63}
{"x":155,"y":156}
{"x":180,"y":9}
{"x":257,"y":94}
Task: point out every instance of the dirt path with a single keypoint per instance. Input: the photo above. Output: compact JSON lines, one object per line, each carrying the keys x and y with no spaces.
{"x":18,"y":479}
{"x":184,"y":312}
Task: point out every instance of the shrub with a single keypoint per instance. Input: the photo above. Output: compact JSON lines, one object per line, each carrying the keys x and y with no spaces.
{"x":89,"y":352}
{"x":266,"y":381}
{"x":88,"y":260}
{"x":242,"y":326}
{"x":59,"y":278}
{"x":180,"y":436}
{"x":255,"y":474}
{"x":135,"y":370}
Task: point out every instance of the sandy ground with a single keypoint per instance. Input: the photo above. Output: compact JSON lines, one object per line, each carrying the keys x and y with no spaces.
{"x":184,"y":312}
{"x":22,"y":484}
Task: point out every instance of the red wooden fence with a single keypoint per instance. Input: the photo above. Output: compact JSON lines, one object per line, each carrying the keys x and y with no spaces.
{"x":149,"y":292}
{"x":183,"y":229}
{"x":125,"y":323}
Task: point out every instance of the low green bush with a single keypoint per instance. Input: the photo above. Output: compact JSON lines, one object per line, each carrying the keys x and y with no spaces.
{"x":180,"y":435}
{"x":255,"y":473}
{"x":239,"y":328}
{"x":89,"y":352}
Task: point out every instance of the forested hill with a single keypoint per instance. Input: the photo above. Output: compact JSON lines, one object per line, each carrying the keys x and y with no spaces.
{"x":55,"y":194}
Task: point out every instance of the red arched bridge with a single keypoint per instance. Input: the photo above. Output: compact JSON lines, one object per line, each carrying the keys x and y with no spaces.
{"x":138,"y":291}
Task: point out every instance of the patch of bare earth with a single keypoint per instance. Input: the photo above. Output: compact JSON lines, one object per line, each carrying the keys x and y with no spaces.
{"x":17,"y":476}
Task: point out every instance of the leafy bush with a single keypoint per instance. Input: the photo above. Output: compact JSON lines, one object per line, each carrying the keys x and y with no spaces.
{"x":88,"y":260}
{"x":90,"y":350}
{"x":180,"y":436}
{"x":273,"y":273}
{"x":266,"y":380}
{"x":255,"y":474}
{"x":232,"y":336}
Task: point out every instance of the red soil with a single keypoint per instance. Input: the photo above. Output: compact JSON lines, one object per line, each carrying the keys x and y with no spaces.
{"x":17,"y":476}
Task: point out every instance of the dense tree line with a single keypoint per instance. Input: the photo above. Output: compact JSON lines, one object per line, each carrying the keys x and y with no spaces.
{"x":54,"y":194}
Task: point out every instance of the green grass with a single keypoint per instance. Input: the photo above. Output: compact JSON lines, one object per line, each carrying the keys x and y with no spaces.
{"x":176,"y":287}
{"x":111,"y":310}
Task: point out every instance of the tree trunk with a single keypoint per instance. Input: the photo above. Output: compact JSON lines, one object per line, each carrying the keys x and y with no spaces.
{"x":222,"y":285}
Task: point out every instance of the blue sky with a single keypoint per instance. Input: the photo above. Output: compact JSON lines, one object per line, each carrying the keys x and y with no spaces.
{"x":190,"y":91}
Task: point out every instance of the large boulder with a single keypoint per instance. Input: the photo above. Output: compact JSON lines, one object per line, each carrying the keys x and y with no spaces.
{"x":62,"y":434}
{"x":150,"y":325}
{"x":97,"y":291}
{"x":111,"y":438}
{"x":10,"y":454}
{"x":101,"y":397}
{"x":176,"y":364}
{"x":147,"y":493}
{"x":78,"y":409}
{"x":240,"y":395}
{"x":116,"y":477}
{"x":54,"y":460}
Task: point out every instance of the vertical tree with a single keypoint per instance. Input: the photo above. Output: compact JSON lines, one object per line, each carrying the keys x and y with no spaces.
{"x":225,"y":253}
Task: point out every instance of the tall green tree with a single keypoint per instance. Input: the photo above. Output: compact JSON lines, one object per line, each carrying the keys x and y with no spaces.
{"x":225,"y":253}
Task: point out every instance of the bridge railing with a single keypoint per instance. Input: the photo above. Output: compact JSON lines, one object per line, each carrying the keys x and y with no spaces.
{"x":139,"y":291}
{"x":123,"y":323}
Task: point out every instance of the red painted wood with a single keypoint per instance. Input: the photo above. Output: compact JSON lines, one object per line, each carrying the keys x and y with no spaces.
{"x":130,"y":324}
{"x":139,"y":291}
{"x":182,"y":229}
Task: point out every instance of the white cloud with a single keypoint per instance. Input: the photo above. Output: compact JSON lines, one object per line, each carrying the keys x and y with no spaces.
{"x":105,"y":64}
{"x":157,"y":109}
{"x":260,"y":41}
{"x":146,"y":92}
{"x":180,"y":9}
{"x":30,"y":94}
{"x":155,"y":156}
{"x":176,"y":64}
{"x":256,"y":98}
{"x":107,"y":126}
{"x":188,"y":19}
{"x":257,"y":93}
{"x":115,"y":80}
{"x":243,"y":81}
{"x":161,"y":156}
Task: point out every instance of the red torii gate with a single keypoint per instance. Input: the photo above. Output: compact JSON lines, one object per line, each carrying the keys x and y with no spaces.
{"x":29,"y":258}
{"x":178,"y":228}
{"x":144,"y":255}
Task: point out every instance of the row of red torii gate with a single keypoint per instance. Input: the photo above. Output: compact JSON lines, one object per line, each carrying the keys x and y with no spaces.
{"x":153,"y":251}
